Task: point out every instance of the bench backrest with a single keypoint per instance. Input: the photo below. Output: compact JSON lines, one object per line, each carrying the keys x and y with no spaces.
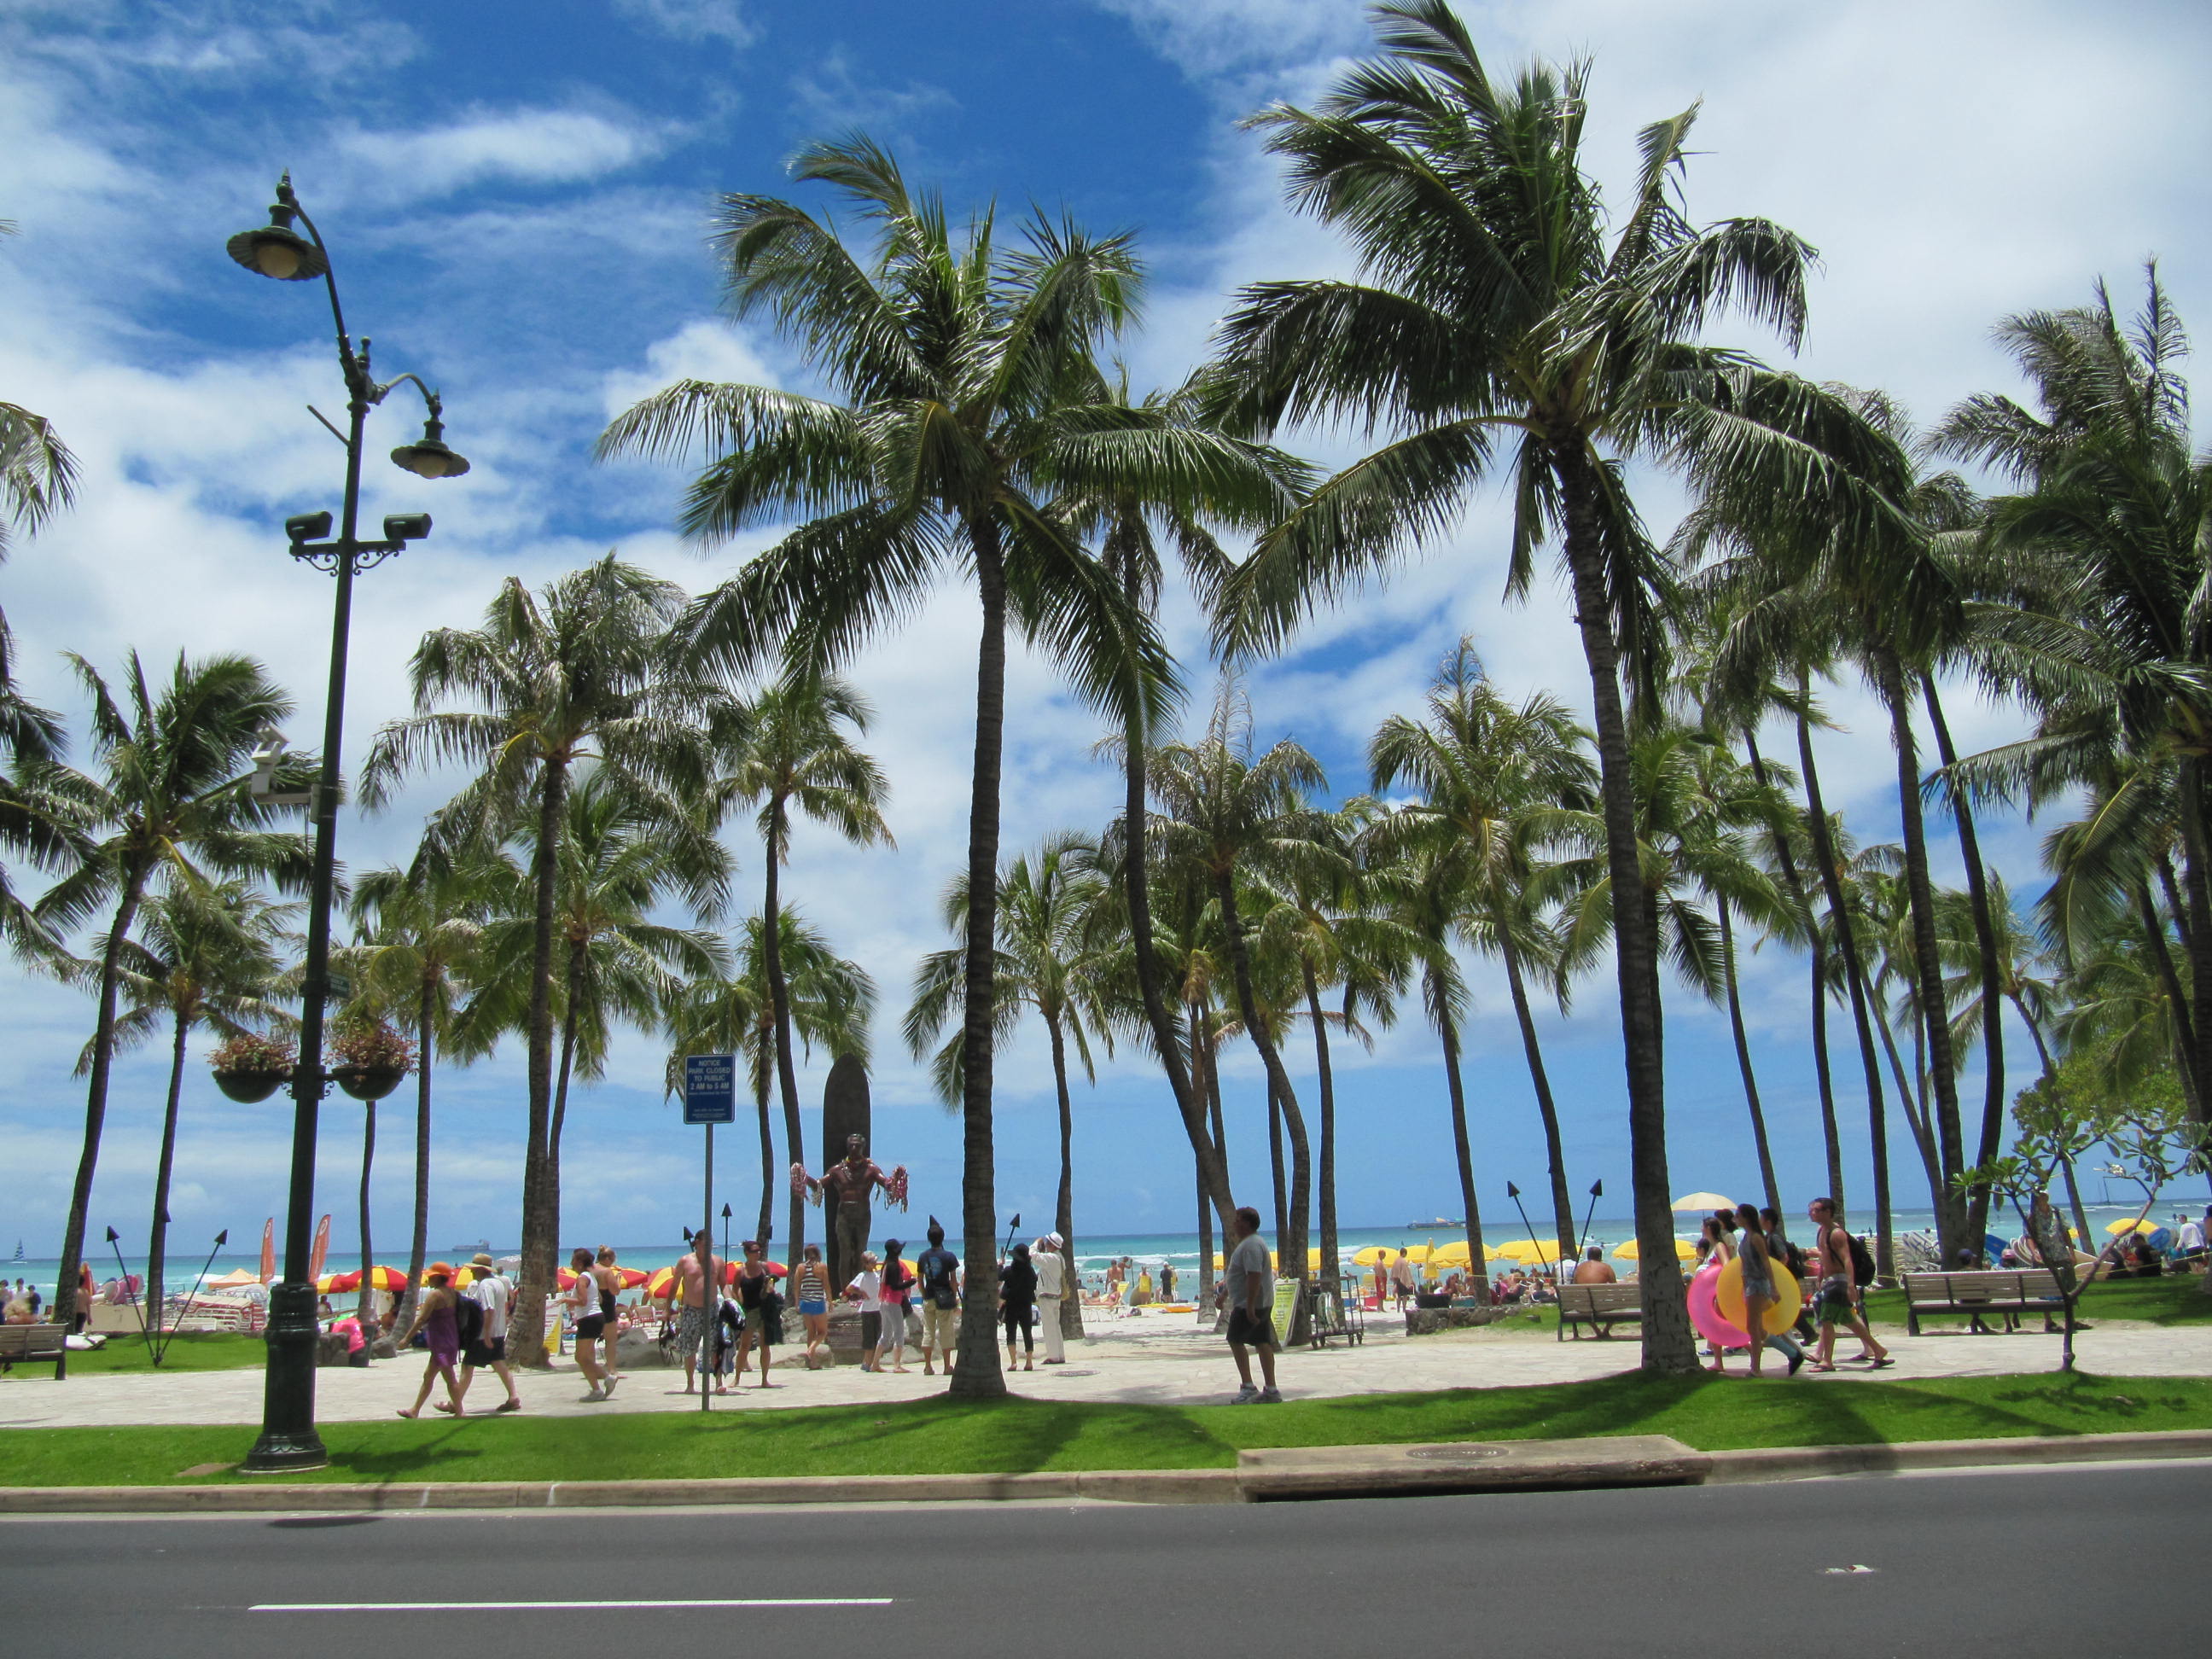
{"x":30,"y":1341}
{"x":1591,"y":1299}
{"x":1971,"y":1289}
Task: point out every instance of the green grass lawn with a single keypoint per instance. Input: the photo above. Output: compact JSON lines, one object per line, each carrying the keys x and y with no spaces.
{"x":933,"y":1437}
{"x":188,"y":1351}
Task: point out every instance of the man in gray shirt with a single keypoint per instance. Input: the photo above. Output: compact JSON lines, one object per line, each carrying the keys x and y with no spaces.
{"x":1248,"y":1290}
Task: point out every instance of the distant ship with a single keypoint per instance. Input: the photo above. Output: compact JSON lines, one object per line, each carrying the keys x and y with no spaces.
{"x":19,"y":1251}
{"x":482,"y":1247}
{"x":1420,"y":1226}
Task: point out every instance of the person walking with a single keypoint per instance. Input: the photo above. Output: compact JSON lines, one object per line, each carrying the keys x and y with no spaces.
{"x":1248,"y":1290}
{"x":434,"y":1317}
{"x":897,"y":1296}
{"x":491,"y":1294}
{"x":811,"y":1286}
{"x":753,"y":1286}
{"x":940,"y":1301}
{"x":695,"y":1277}
{"x":1839,"y":1286}
{"x":1402,"y":1282}
{"x":1052,"y":1287}
{"x":1759,"y":1292}
{"x":866,"y":1291}
{"x":610,"y":1288}
{"x":1017,"y":1291}
{"x":582,"y":1300}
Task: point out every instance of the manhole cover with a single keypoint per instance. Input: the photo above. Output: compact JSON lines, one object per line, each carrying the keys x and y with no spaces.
{"x":1455,"y":1454}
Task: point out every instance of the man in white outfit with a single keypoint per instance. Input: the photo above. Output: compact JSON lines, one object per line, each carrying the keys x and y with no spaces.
{"x":1052,"y":1287}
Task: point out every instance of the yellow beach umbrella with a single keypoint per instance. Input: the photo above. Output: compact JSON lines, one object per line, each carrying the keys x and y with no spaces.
{"x":1703,"y":1201}
{"x":1375,"y":1255}
{"x":1455,"y":1254}
{"x":1219,"y":1261}
{"x":1530,"y":1250}
{"x":2119,"y":1227}
{"x":1684,"y":1251}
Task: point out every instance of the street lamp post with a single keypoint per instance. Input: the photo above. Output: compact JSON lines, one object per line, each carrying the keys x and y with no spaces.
{"x":289,"y":1440}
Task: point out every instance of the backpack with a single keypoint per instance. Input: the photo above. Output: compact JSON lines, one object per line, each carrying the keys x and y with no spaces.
{"x":468,"y":1321}
{"x":1862,"y":1271}
{"x":937,"y":1282}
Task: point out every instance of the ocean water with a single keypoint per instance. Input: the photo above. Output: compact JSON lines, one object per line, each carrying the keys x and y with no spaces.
{"x":1094,"y":1251}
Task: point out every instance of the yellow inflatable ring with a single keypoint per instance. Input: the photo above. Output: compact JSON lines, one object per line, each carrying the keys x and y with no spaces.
{"x":1727,"y":1297}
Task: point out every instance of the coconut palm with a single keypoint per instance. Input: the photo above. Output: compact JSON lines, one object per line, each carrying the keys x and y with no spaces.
{"x":165,"y":804}
{"x":37,"y":478}
{"x":418,"y":946}
{"x":625,"y":848}
{"x":795,"y":750}
{"x":1503,"y":299}
{"x":582,"y":672}
{"x":828,"y":1003}
{"x":1048,"y":961}
{"x":205,"y":955}
{"x":1496,"y":780}
{"x":971,"y":401}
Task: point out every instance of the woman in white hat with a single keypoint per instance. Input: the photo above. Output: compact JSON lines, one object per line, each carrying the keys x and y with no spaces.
{"x":1052,"y":1287}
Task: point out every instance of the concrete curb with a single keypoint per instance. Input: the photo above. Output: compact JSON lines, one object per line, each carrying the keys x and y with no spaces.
{"x":1111,"y":1485}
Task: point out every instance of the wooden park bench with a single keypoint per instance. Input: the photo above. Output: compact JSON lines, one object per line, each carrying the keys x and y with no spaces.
{"x":32,"y":1344}
{"x":2006,"y":1294}
{"x":1599,"y":1306}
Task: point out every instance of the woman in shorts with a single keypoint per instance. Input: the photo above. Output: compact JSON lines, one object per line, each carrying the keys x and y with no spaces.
{"x":584,"y":1305}
{"x":812,"y":1286}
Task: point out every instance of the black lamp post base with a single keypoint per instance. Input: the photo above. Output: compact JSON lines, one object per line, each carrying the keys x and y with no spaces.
{"x":289,"y":1442}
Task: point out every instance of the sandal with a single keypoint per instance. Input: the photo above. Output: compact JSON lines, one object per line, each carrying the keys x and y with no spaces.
{"x":1882,"y":1363}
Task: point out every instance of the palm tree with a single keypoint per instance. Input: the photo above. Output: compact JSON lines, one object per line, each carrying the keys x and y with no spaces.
{"x":624,"y":848}
{"x":1497,"y":781}
{"x":793,"y":751}
{"x":167,"y":805}
{"x":828,"y":1002}
{"x":581,"y":671}
{"x":971,"y":401}
{"x":1047,"y":960}
{"x":1224,"y":812}
{"x":37,"y":478}
{"x":419,"y":942}
{"x":205,"y":956}
{"x":1500,"y":304}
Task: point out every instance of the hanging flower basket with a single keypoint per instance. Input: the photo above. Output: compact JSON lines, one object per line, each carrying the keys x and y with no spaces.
{"x":371,"y":1058}
{"x":250,"y":1068}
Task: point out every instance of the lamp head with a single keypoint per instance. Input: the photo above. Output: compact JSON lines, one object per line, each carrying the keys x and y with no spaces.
{"x":1597,"y":1190}
{"x":222,"y":1238}
{"x":406,"y":526}
{"x":277,"y":250}
{"x":430,"y":458}
{"x":113,"y":1235}
{"x":308,"y":527}
{"x":1512,"y":1191}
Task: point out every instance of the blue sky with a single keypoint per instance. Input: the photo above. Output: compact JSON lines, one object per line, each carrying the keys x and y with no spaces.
{"x":518,"y":199}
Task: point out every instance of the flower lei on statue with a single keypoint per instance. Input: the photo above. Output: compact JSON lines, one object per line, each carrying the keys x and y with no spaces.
{"x":807,"y":1186}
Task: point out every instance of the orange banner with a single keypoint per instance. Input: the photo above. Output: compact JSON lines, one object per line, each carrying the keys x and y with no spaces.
{"x":322,"y":1248}
{"x":269,"y":1249}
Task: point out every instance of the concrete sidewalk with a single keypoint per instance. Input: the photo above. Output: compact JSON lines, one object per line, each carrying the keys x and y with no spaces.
{"x":1162,"y":1360}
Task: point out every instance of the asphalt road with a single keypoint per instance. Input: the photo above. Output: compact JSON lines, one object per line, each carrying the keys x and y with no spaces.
{"x":2018,"y":1563}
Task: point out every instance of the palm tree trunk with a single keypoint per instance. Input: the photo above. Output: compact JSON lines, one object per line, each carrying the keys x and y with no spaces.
{"x":1928,"y":967}
{"x":1924,"y":1141}
{"x":1977,"y":898}
{"x":426,"y":1021}
{"x":1563,"y":1204}
{"x":786,"y":1070}
{"x":1275,"y":1158}
{"x":2195,"y":919}
{"x":1477,"y":1256}
{"x":1203,"y":1077}
{"x":1328,"y":1262}
{"x":1291,"y":1222}
{"x":1743,"y":1060}
{"x":767,"y":1222}
{"x":1839,"y":912}
{"x":367,"y":1253}
{"x":2169,"y":979}
{"x":526,"y":1324}
{"x":157,"y":1234}
{"x":1670,"y":1345}
{"x":96,"y":1098}
{"x":1063,"y":1210}
{"x":1794,"y":881}
{"x":571,"y":1015}
{"x":975,"y":1374}
{"x":2065,"y":1164}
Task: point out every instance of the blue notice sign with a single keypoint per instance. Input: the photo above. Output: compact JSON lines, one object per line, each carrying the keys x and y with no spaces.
{"x":710,"y":1088}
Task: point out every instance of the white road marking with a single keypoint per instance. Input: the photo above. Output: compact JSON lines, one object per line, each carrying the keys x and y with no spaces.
{"x":505,"y":1606}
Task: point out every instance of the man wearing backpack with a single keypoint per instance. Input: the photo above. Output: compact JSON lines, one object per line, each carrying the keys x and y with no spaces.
{"x":1843,"y":1268}
{"x":488,"y":1294}
{"x":940,"y":1301}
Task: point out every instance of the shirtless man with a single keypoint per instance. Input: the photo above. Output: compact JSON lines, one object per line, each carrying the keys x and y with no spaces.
{"x":1837,"y":1301}
{"x":1594,"y":1269}
{"x":851,"y":1183}
{"x":693,"y":1275}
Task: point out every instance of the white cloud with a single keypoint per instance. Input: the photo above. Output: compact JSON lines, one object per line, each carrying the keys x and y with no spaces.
{"x":832,"y":96}
{"x":1213,"y":36}
{"x":692,"y":20}
{"x":532,"y":146}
